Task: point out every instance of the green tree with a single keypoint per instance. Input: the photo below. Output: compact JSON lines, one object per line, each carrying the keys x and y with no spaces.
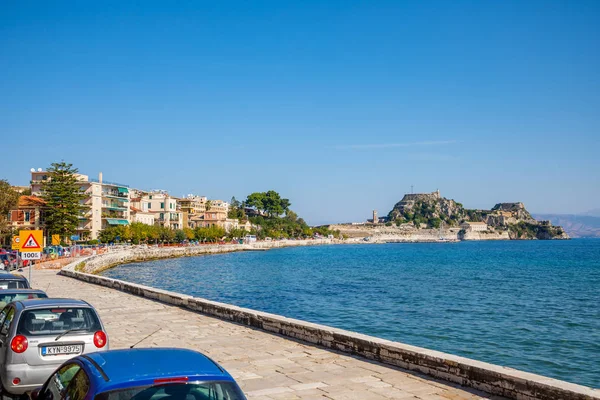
{"x":63,"y":195}
{"x":208,"y":205}
{"x":268,"y":202}
{"x":9,"y":199}
{"x":180,"y":236}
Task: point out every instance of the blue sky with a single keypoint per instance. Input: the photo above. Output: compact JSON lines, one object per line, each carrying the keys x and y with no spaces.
{"x":340,"y":106}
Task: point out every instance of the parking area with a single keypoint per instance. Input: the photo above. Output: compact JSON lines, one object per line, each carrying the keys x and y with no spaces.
{"x":266,"y":366}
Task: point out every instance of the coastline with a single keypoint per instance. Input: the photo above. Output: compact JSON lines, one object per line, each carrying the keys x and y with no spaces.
{"x":487,"y":377}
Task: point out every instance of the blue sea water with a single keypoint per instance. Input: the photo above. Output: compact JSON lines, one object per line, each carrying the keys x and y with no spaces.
{"x":530,"y":305}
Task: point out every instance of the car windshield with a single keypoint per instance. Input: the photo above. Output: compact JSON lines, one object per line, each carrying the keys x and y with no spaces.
{"x":13,"y":284}
{"x":7,"y":298}
{"x":181,"y":391}
{"x":57,"y":320}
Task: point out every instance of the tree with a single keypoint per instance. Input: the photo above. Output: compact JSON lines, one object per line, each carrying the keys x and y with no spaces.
{"x":63,"y":196}
{"x":180,"y":236}
{"x":9,"y":199}
{"x":268,"y":202}
{"x":208,"y":205}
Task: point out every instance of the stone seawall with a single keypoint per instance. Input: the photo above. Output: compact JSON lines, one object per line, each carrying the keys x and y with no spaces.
{"x":490,"y":378}
{"x":99,"y":263}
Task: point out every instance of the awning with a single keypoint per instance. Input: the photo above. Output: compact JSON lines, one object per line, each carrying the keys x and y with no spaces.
{"x":122,"y":190}
{"x":115,"y":221}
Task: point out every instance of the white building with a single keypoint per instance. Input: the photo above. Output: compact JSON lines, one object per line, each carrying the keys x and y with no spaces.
{"x":165,"y":209}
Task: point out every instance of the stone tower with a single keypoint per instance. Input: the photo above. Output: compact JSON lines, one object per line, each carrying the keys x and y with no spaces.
{"x":375,"y":219}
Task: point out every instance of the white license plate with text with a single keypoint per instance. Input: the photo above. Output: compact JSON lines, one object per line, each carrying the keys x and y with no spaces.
{"x":57,"y":350}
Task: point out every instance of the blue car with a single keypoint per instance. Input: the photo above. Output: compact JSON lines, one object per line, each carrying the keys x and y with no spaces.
{"x":140,"y":374}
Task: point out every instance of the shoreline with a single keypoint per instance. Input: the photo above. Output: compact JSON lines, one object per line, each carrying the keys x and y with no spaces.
{"x":487,"y":377}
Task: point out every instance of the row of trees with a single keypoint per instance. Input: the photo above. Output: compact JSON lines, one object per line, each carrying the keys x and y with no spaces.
{"x":137,"y":233}
{"x":9,"y":199}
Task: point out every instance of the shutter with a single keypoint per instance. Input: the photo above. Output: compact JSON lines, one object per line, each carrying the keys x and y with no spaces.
{"x":14,"y":215}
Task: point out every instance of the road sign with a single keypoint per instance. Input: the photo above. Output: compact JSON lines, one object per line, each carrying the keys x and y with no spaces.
{"x":75,"y":237}
{"x":31,"y":255}
{"x":16,"y":243}
{"x":31,"y":241}
{"x":55,"y":240}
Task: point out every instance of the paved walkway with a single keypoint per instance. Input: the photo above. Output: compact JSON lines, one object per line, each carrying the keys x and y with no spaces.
{"x":266,"y":366}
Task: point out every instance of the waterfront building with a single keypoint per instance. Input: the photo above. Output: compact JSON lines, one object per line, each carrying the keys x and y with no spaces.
{"x":474,"y":226}
{"x":165,"y":208}
{"x":138,"y":209}
{"x":29,"y":213}
{"x":107,"y":203}
{"x":191,"y":207}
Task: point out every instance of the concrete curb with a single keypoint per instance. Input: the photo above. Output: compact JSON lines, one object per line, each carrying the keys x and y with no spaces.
{"x":482,"y":376}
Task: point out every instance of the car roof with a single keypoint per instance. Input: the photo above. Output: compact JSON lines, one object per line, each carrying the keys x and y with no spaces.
{"x":21,"y":291}
{"x":138,"y":367}
{"x":52,"y":302}
{"x":6,"y":276}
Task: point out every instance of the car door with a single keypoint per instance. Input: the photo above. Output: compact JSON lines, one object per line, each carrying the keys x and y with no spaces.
{"x":56,"y":386}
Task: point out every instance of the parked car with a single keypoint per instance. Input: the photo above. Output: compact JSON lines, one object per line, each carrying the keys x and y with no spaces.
{"x":38,"y":335}
{"x":13,"y":281}
{"x":10,"y":295}
{"x":140,"y":374}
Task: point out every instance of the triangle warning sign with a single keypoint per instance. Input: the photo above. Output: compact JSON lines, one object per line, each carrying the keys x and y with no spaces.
{"x":30,"y":244}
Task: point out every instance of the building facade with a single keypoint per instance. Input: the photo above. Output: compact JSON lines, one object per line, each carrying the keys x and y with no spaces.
{"x":29,"y":214}
{"x":166,"y":211}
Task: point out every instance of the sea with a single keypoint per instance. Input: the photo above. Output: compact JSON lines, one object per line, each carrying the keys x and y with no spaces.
{"x":529,"y":305}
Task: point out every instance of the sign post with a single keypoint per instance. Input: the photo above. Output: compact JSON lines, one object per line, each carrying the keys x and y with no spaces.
{"x":31,"y":248}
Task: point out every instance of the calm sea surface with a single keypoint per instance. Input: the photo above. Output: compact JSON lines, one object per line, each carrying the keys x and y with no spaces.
{"x":531,"y":305}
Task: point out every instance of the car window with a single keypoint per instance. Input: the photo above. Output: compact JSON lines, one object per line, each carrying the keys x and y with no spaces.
{"x":56,"y":387}
{"x":79,"y":386}
{"x":54,"y":321}
{"x":13,"y":284}
{"x":3,"y":315}
{"x":183,"y":391}
{"x":7,"y":321}
{"x":7,"y":298}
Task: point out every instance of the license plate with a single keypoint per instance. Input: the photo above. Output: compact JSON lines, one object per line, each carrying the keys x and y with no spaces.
{"x":58,"y":350}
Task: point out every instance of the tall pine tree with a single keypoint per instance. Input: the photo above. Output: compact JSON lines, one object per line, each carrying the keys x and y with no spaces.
{"x":63,"y":195}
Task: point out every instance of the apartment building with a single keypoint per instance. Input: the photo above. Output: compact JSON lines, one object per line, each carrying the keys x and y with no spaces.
{"x":166,"y":211}
{"x":107,"y":202}
{"x":191,"y":207}
{"x":138,"y":210}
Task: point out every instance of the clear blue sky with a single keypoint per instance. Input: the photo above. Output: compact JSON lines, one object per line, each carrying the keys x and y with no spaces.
{"x":340,"y":106}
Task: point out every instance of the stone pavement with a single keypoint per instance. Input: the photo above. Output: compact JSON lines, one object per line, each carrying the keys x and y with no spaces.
{"x":266,"y":366}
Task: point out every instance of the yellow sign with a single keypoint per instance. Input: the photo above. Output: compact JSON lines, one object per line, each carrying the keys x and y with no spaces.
{"x":31,"y":241}
{"x":55,"y":240}
{"x":15,"y":243}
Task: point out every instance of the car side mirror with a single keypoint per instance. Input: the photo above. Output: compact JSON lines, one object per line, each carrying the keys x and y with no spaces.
{"x":34,"y":395}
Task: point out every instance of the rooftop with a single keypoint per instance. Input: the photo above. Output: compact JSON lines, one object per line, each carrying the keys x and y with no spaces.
{"x":129,"y":367}
{"x":31,"y":201}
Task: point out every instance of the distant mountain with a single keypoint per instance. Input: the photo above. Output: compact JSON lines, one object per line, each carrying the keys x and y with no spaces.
{"x":592,"y":213}
{"x":577,"y":226}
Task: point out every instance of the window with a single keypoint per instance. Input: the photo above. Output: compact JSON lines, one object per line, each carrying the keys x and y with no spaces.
{"x":54,"y":321}
{"x":162,"y":206}
{"x":79,"y":386}
{"x":150,"y":197}
{"x":149,"y":206}
{"x":171,"y":206}
{"x":7,"y":321}
{"x":55,"y":388}
{"x":27,"y":216}
{"x":201,"y":390}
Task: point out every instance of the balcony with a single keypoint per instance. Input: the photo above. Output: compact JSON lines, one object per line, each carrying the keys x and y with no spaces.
{"x":115,"y":195}
{"x":114,"y":214}
{"x":115,"y":206}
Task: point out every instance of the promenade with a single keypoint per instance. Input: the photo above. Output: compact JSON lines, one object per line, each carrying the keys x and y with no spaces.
{"x":266,"y":366}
